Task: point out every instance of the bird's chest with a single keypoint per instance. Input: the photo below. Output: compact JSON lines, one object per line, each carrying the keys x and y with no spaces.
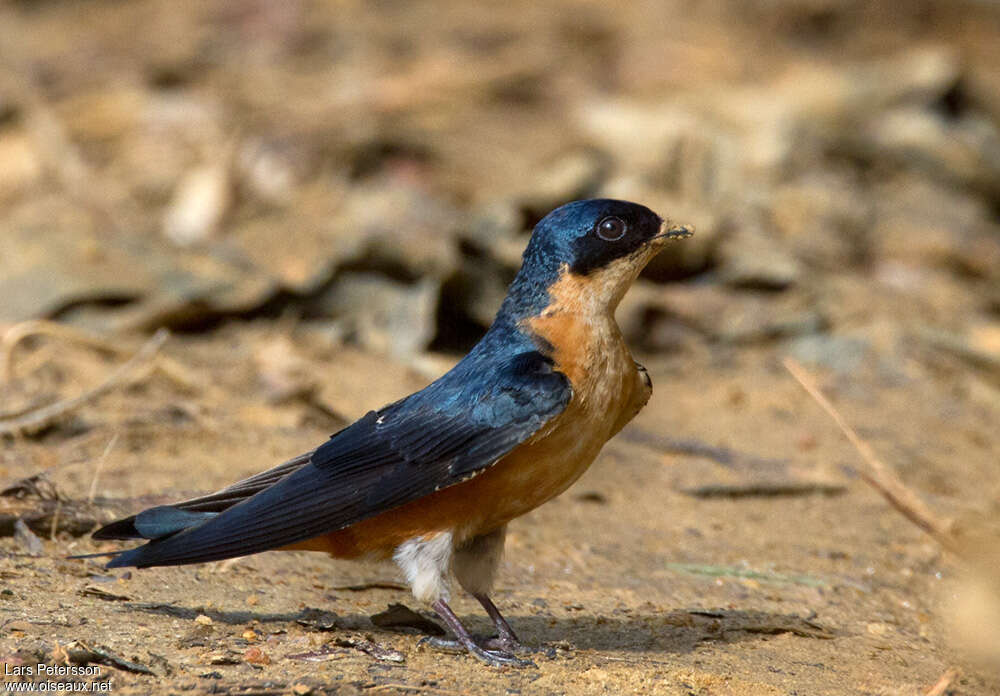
{"x":592,"y":354}
{"x":606,"y":388}
{"x":605,"y":380}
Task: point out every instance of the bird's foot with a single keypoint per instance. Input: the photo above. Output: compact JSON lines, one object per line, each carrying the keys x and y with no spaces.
{"x":464,"y":641}
{"x":490,"y":651}
{"x":505,"y":639}
{"x":506,"y":644}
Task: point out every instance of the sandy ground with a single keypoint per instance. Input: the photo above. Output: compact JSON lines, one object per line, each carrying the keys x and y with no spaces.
{"x":627,"y":583}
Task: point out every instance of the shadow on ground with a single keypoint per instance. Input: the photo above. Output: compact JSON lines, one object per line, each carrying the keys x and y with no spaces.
{"x":676,"y":632}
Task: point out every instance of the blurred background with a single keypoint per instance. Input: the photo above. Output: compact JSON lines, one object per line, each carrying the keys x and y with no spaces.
{"x":325,"y":201}
{"x":171,"y":164}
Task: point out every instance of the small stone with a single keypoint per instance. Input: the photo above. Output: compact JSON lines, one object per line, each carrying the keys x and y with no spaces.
{"x":203,"y":620}
{"x":878,"y":629}
{"x":28,"y":540}
{"x":200,"y":201}
{"x":985,"y":337}
{"x":272,"y":170}
{"x":20,"y":165}
{"x":221,"y":658}
{"x":256,"y":656}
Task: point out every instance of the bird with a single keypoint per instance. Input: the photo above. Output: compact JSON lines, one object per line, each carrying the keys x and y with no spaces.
{"x":433,"y":479}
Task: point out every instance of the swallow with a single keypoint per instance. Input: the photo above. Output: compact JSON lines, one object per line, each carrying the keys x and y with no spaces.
{"x":433,"y":479}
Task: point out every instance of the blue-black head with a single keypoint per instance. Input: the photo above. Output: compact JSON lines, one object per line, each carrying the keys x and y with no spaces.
{"x":601,"y":243}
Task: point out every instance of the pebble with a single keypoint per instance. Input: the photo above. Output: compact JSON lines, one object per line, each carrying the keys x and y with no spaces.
{"x":200,"y":200}
{"x":256,"y":656}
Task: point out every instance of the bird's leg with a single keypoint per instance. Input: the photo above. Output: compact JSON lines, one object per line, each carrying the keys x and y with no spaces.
{"x":475,"y":566}
{"x":494,"y":658}
{"x":506,"y":638}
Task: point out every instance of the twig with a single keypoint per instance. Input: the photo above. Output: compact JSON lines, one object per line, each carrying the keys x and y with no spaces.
{"x":763,"y":489}
{"x":42,"y":327}
{"x":100,"y":466}
{"x":943,"y":683}
{"x":31,"y":363}
{"x":17,"y":334}
{"x":45,"y":415}
{"x":878,"y":475}
{"x":694,"y":448}
{"x":55,"y":521}
{"x":226,"y":565}
{"x":371,"y":585}
{"x":410,"y":687}
{"x":33,"y":485}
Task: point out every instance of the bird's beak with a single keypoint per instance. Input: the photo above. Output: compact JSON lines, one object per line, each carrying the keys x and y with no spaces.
{"x":670,"y":231}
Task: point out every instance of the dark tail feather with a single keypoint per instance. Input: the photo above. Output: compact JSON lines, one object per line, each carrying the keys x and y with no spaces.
{"x":159,"y":522}
{"x":154,"y":523}
{"x":102,"y":554}
{"x":119,"y":529}
{"x":127,"y":558}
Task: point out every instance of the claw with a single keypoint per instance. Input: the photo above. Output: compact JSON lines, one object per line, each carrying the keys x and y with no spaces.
{"x":484,"y":652}
{"x":498,"y":658}
{"x":514,"y":647}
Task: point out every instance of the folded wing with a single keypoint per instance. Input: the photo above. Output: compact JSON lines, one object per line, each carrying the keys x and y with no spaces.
{"x":447,"y":433}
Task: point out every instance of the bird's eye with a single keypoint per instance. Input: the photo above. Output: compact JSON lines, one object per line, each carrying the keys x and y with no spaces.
{"x":611,"y":229}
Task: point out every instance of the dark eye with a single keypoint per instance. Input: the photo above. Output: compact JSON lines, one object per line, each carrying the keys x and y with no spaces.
{"x":611,"y":229}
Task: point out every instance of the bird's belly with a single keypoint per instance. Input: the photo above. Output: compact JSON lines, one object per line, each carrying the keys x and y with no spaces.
{"x":533,"y":474}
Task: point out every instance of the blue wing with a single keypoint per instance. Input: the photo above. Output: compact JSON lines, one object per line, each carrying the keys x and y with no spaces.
{"x":452,"y":430}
